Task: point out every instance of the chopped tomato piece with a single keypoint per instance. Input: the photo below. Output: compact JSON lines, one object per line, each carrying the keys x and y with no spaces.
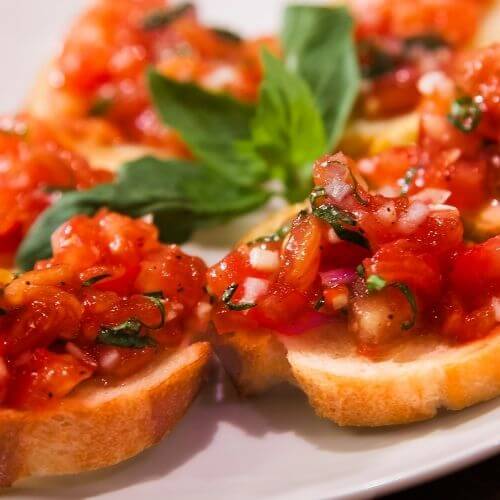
{"x":43,"y":377}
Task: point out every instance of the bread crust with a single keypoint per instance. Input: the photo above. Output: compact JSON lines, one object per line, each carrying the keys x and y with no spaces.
{"x":410,"y":383}
{"x":101,"y":426}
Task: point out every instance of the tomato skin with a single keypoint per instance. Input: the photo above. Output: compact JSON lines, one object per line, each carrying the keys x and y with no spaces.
{"x":44,"y":377}
{"x":300,"y":257}
{"x":475,"y":273}
{"x":232,"y":269}
{"x":402,"y":262}
{"x":165,"y":270}
{"x":280,"y":307}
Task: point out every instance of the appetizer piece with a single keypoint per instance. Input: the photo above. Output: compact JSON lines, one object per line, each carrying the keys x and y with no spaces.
{"x":96,"y":359}
{"x":374,"y":306}
{"x":35,"y":169}
{"x":456,"y":158}
{"x":97,"y":87}
{"x":398,"y":43}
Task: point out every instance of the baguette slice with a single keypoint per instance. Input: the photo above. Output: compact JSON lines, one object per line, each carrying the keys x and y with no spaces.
{"x":411,"y":381}
{"x":99,"y":426}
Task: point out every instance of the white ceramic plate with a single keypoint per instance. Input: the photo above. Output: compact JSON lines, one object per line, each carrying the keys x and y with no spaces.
{"x":273,"y":447}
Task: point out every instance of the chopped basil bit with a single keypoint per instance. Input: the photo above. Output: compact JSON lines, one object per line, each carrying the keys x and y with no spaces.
{"x":319,"y":304}
{"x":156,"y":295}
{"x":229,"y":36}
{"x":408,"y":179}
{"x":57,"y":189}
{"x":375,"y":283}
{"x":465,"y":114}
{"x":429,"y":41}
{"x":334,"y":215}
{"x":337,"y":218}
{"x":125,"y":335}
{"x":317,"y":192}
{"x":162,"y":18}
{"x":95,"y":279}
{"x":356,"y":188}
{"x":375,"y":61}
{"x":228,"y":295}
{"x":405,"y":290}
{"x":274,"y":237}
{"x":100,"y":106}
{"x":361,"y":271}
{"x":157,"y":298}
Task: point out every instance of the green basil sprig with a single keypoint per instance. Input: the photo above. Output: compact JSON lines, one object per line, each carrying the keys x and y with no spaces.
{"x":181,"y":196}
{"x":304,"y":104}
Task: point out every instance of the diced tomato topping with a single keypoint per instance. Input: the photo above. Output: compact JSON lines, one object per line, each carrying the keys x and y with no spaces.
{"x":108,"y":299}
{"x":34,"y":167}
{"x":43,"y":376}
{"x":475,"y":272}
{"x":401,"y":261}
{"x":455,"y":20}
{"x":414,"y":271}
{"x":109,"y":49}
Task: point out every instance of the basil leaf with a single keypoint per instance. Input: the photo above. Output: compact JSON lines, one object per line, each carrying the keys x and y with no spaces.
{"x":181,"y":196}
{"x":213,"y":125}
{"x":287,"y":130}
{"x":319,"y":46}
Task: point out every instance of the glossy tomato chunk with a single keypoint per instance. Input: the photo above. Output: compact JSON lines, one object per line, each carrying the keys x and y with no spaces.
{"x":43,"y":376}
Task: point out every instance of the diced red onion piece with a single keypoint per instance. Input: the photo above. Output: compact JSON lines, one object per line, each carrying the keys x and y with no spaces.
{"x":415,"y":215}
{"x":341,"y":276}
{"x":75,"y":351}
{"x":432,"y":196}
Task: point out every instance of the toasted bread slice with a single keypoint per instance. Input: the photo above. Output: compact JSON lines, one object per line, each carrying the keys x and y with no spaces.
{"x":410,"y":381}
{"x":98,"y":426}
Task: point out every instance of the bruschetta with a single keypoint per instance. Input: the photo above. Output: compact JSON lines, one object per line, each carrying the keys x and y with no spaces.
{"x":374,"y":306}
{"x":100,"y":354}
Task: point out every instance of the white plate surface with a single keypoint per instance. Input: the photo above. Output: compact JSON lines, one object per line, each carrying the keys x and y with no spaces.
{"x":273,"y":447}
